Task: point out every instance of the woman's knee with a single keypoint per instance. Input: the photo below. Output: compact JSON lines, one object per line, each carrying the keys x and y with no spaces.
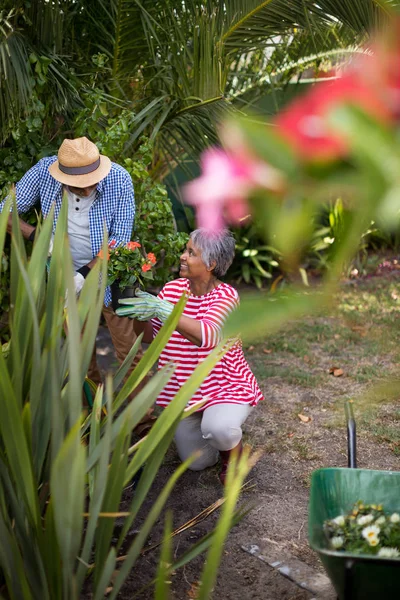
{"x":206,"y":459}
{"x":222,"y":436}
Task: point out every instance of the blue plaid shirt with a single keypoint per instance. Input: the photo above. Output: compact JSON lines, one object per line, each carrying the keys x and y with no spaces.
{"x":114,"y":204}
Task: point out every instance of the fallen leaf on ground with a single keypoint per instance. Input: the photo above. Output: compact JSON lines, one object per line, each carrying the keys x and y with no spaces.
{"x":360,"y":329}
{"x":266,"y":351}
{"x":250,"y":348}
{"x":193,"y":593}
{"x":291,"y":434}
{"x":336,"y":372}
{"x":306,"y":358}
{"x":304,"y":418}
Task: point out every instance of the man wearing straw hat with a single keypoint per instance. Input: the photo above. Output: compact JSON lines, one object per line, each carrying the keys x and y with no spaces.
{"x":98,"y":191}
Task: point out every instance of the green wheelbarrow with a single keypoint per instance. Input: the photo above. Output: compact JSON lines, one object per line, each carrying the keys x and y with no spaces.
{"x":334,"y":492}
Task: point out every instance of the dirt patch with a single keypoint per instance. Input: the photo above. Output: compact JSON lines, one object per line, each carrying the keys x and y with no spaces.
{"x":361,"y":338}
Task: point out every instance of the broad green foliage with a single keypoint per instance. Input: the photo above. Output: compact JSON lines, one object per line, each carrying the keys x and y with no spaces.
{"x":154,"y":221}
{"x":169,"y":70}
{"x":178,"y":65}
{"x":255,"y":262}
{"x":62,"y":472}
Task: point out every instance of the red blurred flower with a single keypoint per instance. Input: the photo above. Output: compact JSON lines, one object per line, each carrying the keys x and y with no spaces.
{"x":133,"y":245}
{"x":112,"y":244}
{"x":146,"y":267}
{"x":152,"y":258}
{"x":304,"y":123}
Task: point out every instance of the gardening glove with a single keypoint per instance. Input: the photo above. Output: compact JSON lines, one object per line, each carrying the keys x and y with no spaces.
{"x":145,"y":307}
{"x":79,"y":280}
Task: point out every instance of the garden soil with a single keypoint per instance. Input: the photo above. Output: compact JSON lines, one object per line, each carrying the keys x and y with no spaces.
{"x":277,"y":492}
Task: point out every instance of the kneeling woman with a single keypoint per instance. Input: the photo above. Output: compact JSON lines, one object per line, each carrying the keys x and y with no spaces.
{"x":230,"y":389}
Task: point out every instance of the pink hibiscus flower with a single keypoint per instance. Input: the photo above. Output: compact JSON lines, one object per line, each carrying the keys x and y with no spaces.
{"x":220,"y":193}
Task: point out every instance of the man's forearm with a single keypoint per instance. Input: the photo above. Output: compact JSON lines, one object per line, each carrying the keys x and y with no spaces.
{"x":92,"y":262}
{"x":25,"y":228}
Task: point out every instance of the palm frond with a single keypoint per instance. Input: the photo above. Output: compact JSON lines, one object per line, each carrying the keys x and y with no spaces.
{"x":15,"y":76}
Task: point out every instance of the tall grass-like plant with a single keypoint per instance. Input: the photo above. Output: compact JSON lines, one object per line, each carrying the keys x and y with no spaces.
{"x":62,"y":473}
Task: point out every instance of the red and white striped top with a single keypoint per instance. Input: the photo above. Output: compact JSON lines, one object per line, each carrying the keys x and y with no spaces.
{"x":231,"y":380}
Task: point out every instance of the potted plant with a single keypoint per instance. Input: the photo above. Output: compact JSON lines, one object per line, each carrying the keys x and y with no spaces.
{"x":129,"y":268}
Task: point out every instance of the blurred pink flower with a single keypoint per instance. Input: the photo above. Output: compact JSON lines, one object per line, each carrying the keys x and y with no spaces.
{"x":380,"y":68}
{"x":220,"y":193}
{"x":304,"y":124}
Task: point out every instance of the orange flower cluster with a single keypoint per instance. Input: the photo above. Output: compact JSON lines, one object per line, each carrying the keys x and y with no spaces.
{"x":129,"y":264}
{"x":133,"y":245}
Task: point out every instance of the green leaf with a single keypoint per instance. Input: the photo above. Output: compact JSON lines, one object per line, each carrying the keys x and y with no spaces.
{"x":124,"y":367}
{"x":146,"y":527}
{"x":97,"y":476}
{"x":106,"y":575}
{"x":16,"y":445}
{"x":263,"y":314}
{"x":237,"y":472}
{"x":110,"y":504}
{"x":163,"y":576}
{"x":67,"y":484}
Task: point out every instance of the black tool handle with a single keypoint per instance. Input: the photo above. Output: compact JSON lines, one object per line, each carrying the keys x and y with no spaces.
{"x":351,"y":435}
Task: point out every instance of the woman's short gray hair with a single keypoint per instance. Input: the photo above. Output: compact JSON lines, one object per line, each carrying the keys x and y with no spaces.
{"x":215,"y":246}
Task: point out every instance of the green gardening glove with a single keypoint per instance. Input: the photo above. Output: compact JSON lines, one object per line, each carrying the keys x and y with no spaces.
{"x":145,"y":307}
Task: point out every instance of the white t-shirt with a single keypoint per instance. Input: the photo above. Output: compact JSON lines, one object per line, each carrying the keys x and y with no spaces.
{"x":78,"y":227}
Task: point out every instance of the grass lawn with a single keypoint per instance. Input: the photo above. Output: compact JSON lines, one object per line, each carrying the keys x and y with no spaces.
{"x":358,"y":339}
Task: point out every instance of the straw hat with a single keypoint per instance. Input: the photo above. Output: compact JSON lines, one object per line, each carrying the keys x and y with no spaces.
{"x":80,"y":164}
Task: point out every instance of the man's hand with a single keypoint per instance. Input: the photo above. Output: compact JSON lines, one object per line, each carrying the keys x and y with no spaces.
{"x":79,"y":280}
{"x":145,"y":307}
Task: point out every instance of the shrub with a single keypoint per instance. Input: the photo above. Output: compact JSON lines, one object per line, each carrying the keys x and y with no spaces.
{"x":62,"y":474}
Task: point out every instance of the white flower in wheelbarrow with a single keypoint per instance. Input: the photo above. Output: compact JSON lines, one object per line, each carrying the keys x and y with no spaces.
{"x":371,"y":534}
{"x":339,"y":521}
{"x":337,"y":542}
{"x":365,"y":519}
{"x":388,"y":553}
{"x":395,"y":518}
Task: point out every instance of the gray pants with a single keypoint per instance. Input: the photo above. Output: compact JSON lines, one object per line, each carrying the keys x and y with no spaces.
{"x":216,"y":428}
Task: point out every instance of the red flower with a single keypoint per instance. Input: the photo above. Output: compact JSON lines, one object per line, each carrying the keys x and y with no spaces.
{"x":132,"y":245}
{"x":146,"y":267}
{"x":152,"y":258}
{"x":112,"y":244}
{"x":304,"y":123}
